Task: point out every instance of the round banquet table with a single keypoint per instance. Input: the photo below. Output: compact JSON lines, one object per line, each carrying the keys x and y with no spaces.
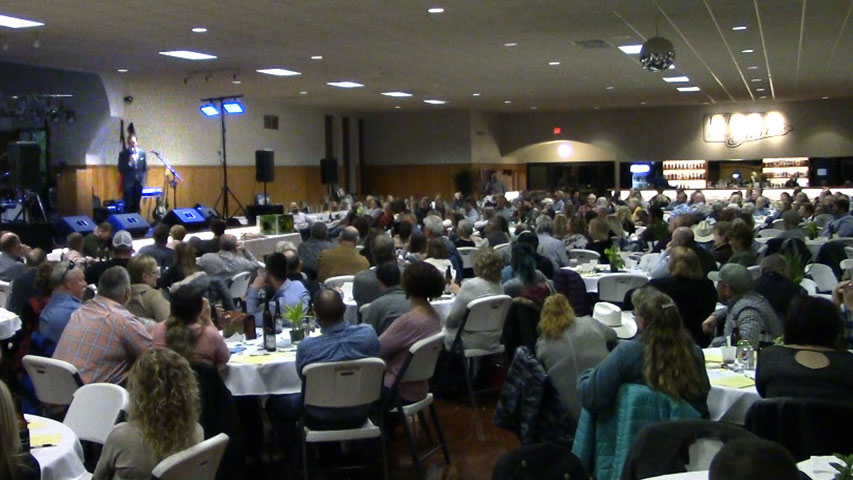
{"x":818,"y":468}
{"x":590,"y":279}
{"x":254,"y":371}
{"x":9,"y":324}
{"x":63,"y":461}
{"x":732,"y":393}
{"x":441,"y":305}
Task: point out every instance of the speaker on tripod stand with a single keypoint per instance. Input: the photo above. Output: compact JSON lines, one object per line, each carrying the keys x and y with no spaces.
{"x":265,"y":168}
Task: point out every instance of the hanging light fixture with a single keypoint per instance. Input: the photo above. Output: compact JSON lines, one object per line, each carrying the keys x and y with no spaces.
{"x":657,"y":53}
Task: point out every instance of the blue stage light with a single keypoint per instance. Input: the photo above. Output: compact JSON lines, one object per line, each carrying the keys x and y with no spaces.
{"x":209,"y":110}
{"x":233,"y":107}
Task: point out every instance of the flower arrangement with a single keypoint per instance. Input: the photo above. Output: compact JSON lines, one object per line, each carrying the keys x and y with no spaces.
{"x":616,"y":261}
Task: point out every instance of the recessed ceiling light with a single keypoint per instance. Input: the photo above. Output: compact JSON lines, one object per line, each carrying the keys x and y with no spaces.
{"x":752,"y":67}
{"x":12,"y":22}
{"x":553,"y":63}
{"x":199,"y":30}
{"x":747,"y":50}
{"x":510,"y":44}
{"x":303,"y":92}
{"x":763,"y":97}
{"x":397,"y":94}
{"x":759,"y":89}
{"x":435,"y":102}
{"x":824,"y":98}
{"x":642,"y":103}
{"x":688,"y":89}
{"x":507,"y":101}
{"x":533,"y":108}
{"x":679,"y":79}
{"x":236,"y":81}
{"x":631,"y":49}
{"x":739,"y":28}
{"x":596,"y":108}
{"x":755,"y":80}
{"x":397,"y":107}
{"x":316,"y":57}
{"x":475,"y":94}
{"x":122,"y":70}
{"x":609,"y":87}
{"x":278,"y":72}
{"x":436,"y":10}
{"x":344,"y":84}
{"x":188,"y":55}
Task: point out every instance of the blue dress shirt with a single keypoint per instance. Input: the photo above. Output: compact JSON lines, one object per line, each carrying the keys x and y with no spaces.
{"x":56,"y":314}
{"x":290,"y":293}
{"x":338,"y":342}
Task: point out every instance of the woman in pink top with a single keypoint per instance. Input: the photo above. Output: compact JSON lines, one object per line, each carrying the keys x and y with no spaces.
{"x":189,"y":330}
{"x":421,"y":282}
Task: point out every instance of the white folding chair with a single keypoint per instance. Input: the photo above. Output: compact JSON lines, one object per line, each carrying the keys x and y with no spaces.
{"x":199,"y":462}
{"x":485,"y":314}
{"x":504,"y":250}
{"x":349,"y":384}
{"x":94,"y":410}
{"x":240,"y":286}
{"x":55,"y":381}
{"x":583,"y":255}
{"x":849,"y":251}
{"x":822,"y":275}
{"x":361,"y":311}
{"x":755,"y":270}
{"x":809,"y":286}
{"x":769,"y":233}
{"x":338,"y":281}
{"x":846,"y":264}
{"x":419,"y":366}
{"x":467,"y":256}
{"x":778,"y":224}
{"x":613,"y":287}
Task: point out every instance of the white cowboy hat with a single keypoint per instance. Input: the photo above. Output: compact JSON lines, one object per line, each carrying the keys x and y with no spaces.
{"x":612,"y":316}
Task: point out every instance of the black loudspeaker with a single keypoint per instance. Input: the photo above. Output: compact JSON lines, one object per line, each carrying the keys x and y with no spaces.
{"x":206,"y":212}
{"x":24,"y":165}
{"x":132,"y":222}
{"x":188,"y":217}
{"x":329,"y":170}
{"x":264,"y":166}
{"x":79,"y":224}
{"x":252,"y":211}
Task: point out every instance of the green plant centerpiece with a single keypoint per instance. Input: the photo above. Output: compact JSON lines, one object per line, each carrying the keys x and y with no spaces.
{"x":812,"y":229}
{"x":616,"y":261}
{"x":796,"y":266}
{"x":294,"y":315}
{"x":845,"y":469}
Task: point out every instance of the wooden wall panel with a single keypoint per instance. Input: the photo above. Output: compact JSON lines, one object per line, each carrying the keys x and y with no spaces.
{"x":427,"y":180}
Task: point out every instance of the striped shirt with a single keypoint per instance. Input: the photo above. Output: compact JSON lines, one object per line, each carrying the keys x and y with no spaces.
{"x":102,"y":340}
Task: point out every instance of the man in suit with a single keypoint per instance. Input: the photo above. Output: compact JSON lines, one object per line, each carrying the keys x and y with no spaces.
{"x":132,"y":165}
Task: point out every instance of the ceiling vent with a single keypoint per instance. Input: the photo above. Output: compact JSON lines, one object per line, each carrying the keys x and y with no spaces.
{"x":592,"y":44}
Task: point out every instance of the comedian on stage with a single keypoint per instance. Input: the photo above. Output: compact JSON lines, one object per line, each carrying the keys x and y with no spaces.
{"x":131,"y":164}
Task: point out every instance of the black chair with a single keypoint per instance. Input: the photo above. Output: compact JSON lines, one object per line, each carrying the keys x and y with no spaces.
{"x":539,"y":461}
{"x":219,"y":415}
{"x":805,"y":427}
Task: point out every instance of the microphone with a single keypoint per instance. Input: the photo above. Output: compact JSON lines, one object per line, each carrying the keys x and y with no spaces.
{"x":155,"y":152}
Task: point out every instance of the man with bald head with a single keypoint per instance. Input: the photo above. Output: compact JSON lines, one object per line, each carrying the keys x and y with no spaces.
{"x":231,"y":259}
{"x":343,"y":259}
{"x":69,"y":283}
{"x":683,"y":237}
{"x":300,"y":220}
{"x":12,"y":252}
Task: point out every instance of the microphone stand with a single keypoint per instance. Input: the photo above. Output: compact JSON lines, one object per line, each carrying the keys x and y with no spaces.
{"x":176,"y":177}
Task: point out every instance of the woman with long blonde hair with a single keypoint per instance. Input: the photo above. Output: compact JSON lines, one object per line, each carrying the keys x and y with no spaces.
{"x":162,"y":418}
{"x":568,"y":345}
{"x":14,"y":465}
{"x":663,"y":357}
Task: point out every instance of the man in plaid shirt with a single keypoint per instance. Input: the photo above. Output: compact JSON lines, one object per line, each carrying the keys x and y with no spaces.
{"x":102,"y":338}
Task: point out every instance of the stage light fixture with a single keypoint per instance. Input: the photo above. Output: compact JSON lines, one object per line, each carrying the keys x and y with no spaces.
{"x":209,"y":110}
{"x":233,"y":107}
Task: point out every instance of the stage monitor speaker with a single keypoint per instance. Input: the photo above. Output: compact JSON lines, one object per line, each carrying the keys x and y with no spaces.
{"x":329,"y":171}
{"x":264,"y":166}
{"x":25,"y":165}
{"x":206,"y":212}
{"x":190,"y":218}
{"x":132,"y":222}
{"x":77,"y":224}
{"x":252,"y":211}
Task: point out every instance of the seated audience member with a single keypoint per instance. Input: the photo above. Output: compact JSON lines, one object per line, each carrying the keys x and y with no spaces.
{"x":663,"y":357}
{"x":365,"y":287}
{"x":12,"y":253}
{"x":690,"y":289}
{"x":421,"y":283}
{"x":775,"y":285}
{"x":526,"y":280}
{"x":599,"y":232}
{"x":23,"y":288}
{"x":403,"y":232}
{"x":576,"y":237}
{"x":415,"y":249}
{"x":753,"y":458}
{"x":438,"y":257}
{"x":791,"y":220}
{"x":391,"y":303}
{"x":300,"y":220}
{"x":812,"y":363}
{"x":842,"y":296}
{"x":494,"y":233}
{"x":122,"y":250}
{"x":486,"y":282}
{"x":74,"y":242}
{"x":176,"y":235}
{"x":569,"y":345}
{"x":213,"y":245}
{"x":464,"y":230}
{"x":310,"y":249}
{"x":745,"y":310}
{"x":683,"y":237}
{"x":231,"y":259}
{"x":146,"y":301}
{"x":189,"y":331}
{"x":339,"y":341}
{"x":285,"y":292}
{"x":656,"y":229}
{"x":842,"y":223}
{"x":722,"y":249}
{"x":741,"y":242}
{"x":103,"y":338}
{"x":97,"y":243}
{"x":160,"y":251}
{"x":343,"y":259}
{"x":550,"y":247}
{"x":185,"y":270}
{"x":68,"y":285}
{"x":162,"y":418}
{"x":434,"y":229}
{"x":294,"y":272}
{"x":15,"y":464}
{"x":543,"y":264}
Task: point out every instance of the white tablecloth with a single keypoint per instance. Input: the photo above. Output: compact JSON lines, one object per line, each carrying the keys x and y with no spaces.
{"x":9,"y":324}
{"x":63,"y":461}
{"x":256,"y":372}
{"x":817,"y":468}
{"x":591,"y":279}
{"x":442,"y":306}
{"x":258,"y":246}
{"x":726,"y":403}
